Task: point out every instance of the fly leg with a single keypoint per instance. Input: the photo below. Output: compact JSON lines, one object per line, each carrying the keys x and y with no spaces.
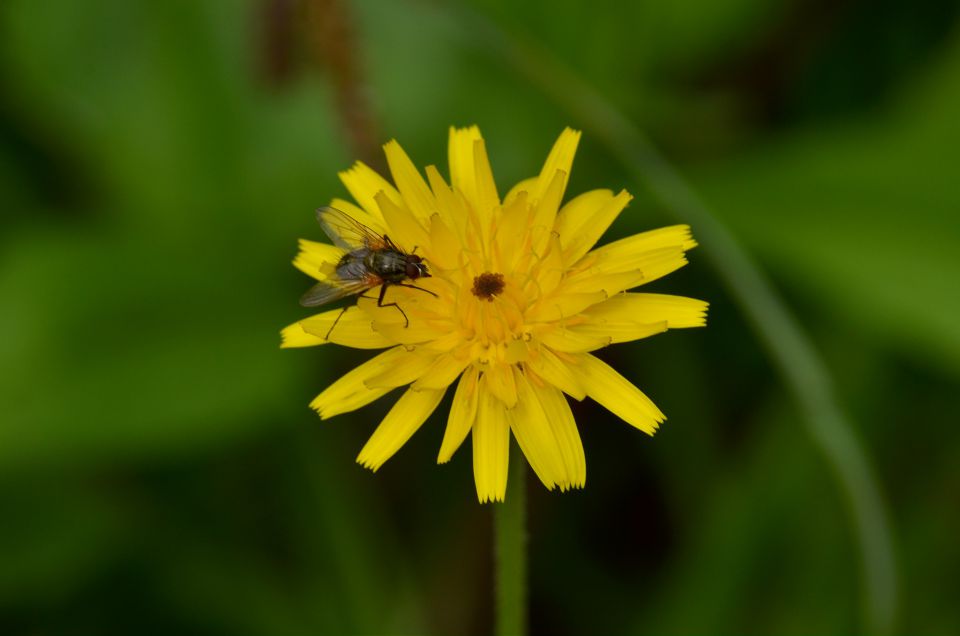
{"x":339,"y":316}
{"x":415,"y":287}
{"x":380,"y":303}
{"x":343,"y":311}
{"x":383,"y":292}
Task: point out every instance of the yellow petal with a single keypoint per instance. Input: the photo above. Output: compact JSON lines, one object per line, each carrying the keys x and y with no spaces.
{"x":616,"y":394}
{"x":487,"y":197}
{"x":558,"y":372}
{"x":446,"y":343}
{"x":676,"y":311}
{"x":413,"y":188}
{"x":558,"y":306}
{"x":407,"y":415}
{"x":559,"y":159}
{"x":562,"y":338}
{"x":578,"y":212}
{"x":535,"y":436}
{"x":491,"y":446}
{"x":403,"y":228}
{"x":564,"y":429}
{"x":353,"y":329}
{"x":463,"y":412}
{"x":630,"y":252}
{"x":551,"y":270}
{"x":470,"y":172}
{"x":460,"y":152}
{"x":294,"y":336}
{"x":418,"y":332}
{"x":442,"y":252}
{"x":616,"y":331}
{"x":618,"y":270}
{"x":500,"y":382}
{"x":516,"y":350}
{"x":658,"y":263}
{"x":511,"y":234}
{"x":592,"y":226}
{"x":442,"y":372}
{"x":364,"y":184}
{"x":313,"y":257}
{"x":545,"y":212}
{"x":350,"y":392}
{"x":608,"y":283}
{"x":627,"y":263}
{"x":524,"y":186}
{"x":450,"y":206}
{"x":413,"y":366}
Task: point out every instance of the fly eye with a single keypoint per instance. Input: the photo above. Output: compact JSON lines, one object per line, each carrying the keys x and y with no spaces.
{"x":413,"y":271}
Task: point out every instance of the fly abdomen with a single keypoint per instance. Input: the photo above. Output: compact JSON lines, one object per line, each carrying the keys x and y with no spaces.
{"x":388,"y":264}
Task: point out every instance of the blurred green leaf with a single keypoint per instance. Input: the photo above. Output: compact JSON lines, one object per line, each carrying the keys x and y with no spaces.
{"x":159,"y":468}
{"x":864,"y":213}
{"x":140,"y":323}
{"x":153,"y":359}
{"x":54,"y":538}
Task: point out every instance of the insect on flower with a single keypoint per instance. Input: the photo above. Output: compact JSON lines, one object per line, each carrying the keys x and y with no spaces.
{"x":521,"y":296}
{"x":371,"y":259}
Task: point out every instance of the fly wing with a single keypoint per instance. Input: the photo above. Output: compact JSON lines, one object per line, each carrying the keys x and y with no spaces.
{"x":327,"y":291}
{"x":346,"y":232}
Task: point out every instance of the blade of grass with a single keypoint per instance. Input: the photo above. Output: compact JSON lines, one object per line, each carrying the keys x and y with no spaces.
{"x":783,"y":337}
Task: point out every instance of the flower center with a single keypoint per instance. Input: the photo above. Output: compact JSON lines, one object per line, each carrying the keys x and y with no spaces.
{"x":487,"y":285}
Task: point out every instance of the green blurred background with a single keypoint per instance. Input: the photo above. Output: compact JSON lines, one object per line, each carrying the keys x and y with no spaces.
{"x":160,"y":471}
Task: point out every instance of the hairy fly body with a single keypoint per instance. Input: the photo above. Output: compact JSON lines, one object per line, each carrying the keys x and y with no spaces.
{"x":371,"y":259}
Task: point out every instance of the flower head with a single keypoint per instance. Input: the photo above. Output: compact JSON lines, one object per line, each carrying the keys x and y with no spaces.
{"x":516,"y":300}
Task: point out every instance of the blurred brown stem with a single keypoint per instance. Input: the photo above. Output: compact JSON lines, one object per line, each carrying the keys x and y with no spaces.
{"x":334,"y":45}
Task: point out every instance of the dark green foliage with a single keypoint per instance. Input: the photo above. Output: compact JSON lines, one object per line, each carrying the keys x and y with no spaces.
{"x":160,"y":471}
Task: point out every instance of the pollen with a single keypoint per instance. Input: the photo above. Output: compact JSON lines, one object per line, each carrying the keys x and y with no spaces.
{"x":487,"y":285}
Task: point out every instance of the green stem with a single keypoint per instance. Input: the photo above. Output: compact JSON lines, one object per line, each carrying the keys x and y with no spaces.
{"x":788,"y":346}
{"x":510,"y":552}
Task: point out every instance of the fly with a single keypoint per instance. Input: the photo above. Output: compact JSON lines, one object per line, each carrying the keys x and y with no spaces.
{"x":371,"y":259}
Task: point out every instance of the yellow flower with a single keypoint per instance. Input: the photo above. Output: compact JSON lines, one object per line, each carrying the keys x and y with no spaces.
{"x":519,"y":298}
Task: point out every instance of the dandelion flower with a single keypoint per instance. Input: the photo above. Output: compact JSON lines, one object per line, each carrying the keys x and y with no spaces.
{"x":518,"y":299}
